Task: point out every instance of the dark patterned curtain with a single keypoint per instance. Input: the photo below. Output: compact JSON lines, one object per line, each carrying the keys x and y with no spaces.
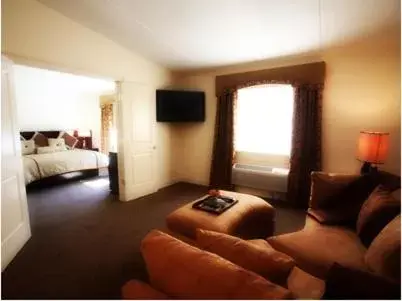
{"x":306,"y":142}
{"x":223,"y":149}
{"x":223,"y":155}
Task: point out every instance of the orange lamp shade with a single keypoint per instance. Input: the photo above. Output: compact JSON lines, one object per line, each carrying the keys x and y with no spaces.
{"x":373,"y":147}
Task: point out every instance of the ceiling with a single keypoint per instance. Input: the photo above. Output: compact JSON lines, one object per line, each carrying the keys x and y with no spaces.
{"x":184,"y":34}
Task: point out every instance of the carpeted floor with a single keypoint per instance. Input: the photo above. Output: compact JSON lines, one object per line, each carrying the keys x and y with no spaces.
{"x":85,"y":243}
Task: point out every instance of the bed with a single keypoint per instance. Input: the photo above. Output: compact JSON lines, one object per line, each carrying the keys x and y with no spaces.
{"x":79,"y":160}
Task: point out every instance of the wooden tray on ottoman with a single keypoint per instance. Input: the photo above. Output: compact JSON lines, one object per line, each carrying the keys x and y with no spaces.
{"x":251,"y":217}
{"x":214,"y":204}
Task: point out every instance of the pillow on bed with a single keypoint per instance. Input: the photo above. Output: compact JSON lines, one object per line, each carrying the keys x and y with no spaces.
{"x":47,"y":149}
{"x":70,"y":141}
{"x":40,"y":139}
{"x":58,"y":143}
{"x":27,"y":147}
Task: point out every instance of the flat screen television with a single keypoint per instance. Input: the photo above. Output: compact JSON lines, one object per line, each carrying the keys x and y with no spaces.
{"x":180,"y":106}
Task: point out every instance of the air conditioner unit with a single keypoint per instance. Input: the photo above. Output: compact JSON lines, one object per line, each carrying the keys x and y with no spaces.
{"x":260,"y":177}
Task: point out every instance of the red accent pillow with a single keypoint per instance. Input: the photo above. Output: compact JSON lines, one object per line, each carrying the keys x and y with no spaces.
{"x":70,"y":141}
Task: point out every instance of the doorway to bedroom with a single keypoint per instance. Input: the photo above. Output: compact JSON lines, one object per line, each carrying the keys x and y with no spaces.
{"x":68,"y":126}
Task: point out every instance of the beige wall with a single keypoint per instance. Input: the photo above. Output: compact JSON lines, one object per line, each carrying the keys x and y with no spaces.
{"x":36,"y":35}
{"x":362,"y":92}
{"x":193,"y":142}
{"x":71,"y":101}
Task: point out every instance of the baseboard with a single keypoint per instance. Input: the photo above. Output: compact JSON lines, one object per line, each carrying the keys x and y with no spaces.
{"x":168,"y":183}
{"x":192,"y":181}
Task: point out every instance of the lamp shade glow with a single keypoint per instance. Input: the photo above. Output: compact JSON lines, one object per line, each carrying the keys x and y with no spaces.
{"x":373,"y":147}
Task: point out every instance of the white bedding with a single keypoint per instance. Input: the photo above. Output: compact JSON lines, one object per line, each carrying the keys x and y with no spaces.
{"x":39,"y":166}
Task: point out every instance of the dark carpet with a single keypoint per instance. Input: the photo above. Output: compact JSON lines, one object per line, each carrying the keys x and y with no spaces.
{"x":85,"y":243}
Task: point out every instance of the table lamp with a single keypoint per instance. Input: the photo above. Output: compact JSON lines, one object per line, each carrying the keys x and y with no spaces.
{"x":372,"y":150}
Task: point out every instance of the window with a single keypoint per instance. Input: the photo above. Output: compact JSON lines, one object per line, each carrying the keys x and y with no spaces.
{"x":264,"y":119}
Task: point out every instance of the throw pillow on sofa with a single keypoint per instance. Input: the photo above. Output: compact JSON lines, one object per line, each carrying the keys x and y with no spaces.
{"x":384,"y":254}
{"x":324,"y":185}
{"x":376,"y":212}
{"x":186,"y":272}
{"x":260,"y":258}
{"x":343,"y":206}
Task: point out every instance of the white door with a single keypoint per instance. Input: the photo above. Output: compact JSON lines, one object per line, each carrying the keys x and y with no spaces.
{"x":15,"y":229}
{"x":136,"y":132}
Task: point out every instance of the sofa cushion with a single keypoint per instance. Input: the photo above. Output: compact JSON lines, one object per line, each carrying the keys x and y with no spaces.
{"x":302,"y":284}
{"x":384,"y":254}
{"x":377,"y":211}
{"x":343,"y":206}
{"x":317,"y":247}
{"x":350,"y":199}
{"x":324,"y":185}
{"x":260,"y":258}
{"x":186,"y":272}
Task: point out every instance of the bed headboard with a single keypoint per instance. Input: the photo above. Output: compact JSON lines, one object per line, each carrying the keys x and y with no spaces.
{"x":83,"y":141}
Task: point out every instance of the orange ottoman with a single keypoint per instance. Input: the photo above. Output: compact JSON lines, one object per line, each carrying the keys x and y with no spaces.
{"x":251,"y":217}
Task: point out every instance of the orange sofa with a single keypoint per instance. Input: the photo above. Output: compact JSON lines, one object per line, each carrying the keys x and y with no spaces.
{"x":181,"y":271}
{"x":336,"y":255}
{"x":353,"y":222}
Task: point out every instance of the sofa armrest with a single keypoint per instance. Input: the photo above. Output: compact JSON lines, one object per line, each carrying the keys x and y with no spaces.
{"x":135,"y":289}
{"x":324,"y":185}
{"x":348,"y":283}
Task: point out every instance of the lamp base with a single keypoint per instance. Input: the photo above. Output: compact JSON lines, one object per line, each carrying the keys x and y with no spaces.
{"x":367,"y":168}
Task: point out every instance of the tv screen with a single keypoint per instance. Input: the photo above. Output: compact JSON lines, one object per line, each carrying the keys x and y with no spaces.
{"x":180,"y":106}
